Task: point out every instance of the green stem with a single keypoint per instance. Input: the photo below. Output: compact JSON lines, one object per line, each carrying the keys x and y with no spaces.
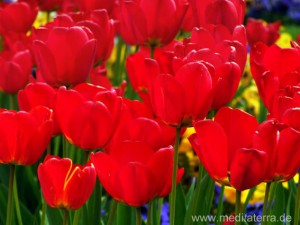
{"x":9,"y":212}
{"x":266,"y":201}
{"x":66,"y":217}
{"x":249,"y":196}
{"x":160,"y":202}
{"x":195,"y":196}
{"x":86,"y":156}
{"x":112,"y":212}
{"x":149,"y":212}
{"x":76,"y":217}
{"x":49,"y":149}
{"x":174,"y":177}
{"x":17,"y":203}
{"x":97,"y":203}
{"x":12,"y":101}
{"x":64,"y":140}
{"x":152,"y":50}
{"x":44,"y":208}
{"x":138,"y":216}
{"x":238,"y":204}
{"x":220,"y":205}
{"x":297,"y":207}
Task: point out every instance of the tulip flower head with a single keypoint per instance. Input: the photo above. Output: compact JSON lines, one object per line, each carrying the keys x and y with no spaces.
{"x":15,"y":70}
{"x":57,"y":55}
{"x":225,"y":148}
{"x":135,"y":173}
{"x":64,"y":184}
{"x":154,"y":23}
{"x":88,"y":115}
{"x":24,"y":135}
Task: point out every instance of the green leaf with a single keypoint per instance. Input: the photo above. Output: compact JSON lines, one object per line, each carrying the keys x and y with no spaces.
{"x":180,"y":208}
{"x":279,"y":205}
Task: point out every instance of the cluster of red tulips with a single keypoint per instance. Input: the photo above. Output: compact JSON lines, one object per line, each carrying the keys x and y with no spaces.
{"x":58,"y":73}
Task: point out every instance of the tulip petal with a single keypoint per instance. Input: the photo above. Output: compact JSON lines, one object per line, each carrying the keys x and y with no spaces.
{"x":168,"y":99}
{"x":239,"y":128}
{"x":211,"y":145}
{"x":136,"y":184}
{"x":248,"y":168}
{"x":106,"y":168}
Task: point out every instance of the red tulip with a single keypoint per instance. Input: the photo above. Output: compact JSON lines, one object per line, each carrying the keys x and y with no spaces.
{"x":135,"y":173}
{"x":17,"y":17}
{"x":64,"y":184}
{"x":226,"y":151}
{"x":153,"y":23}
{"x":24,"y":135}
{"x":87,"y":115}
{"x":191,"y":87}
{"x":216,"y":12}
{"x":257,"y":31}
{"x":38,"y":94}
{"x":279,"y":143}
{"x":276,"y":72}
{"x":15,"y":70}
{"x":90,"y":5}
{"x":57,"y":57}
{"x":103,"y":29}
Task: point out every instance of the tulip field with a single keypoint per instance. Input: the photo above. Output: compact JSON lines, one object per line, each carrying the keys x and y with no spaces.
{"x":149,"y":112}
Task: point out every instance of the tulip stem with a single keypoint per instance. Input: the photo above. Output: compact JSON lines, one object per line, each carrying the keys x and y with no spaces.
{"x":9,"y":211}
{"x":11,"y":101}
{"x":220,"y":205}
{"x":112,"y":212}
{"x":76,"y":217}
{"x":238,"y":207}
{"x":16,"y":201}
{"x":174,"y":177}
{"x":149,"y":212}
{"x":64,"y":142}
{"x":297,"y":207}
{"x":44,"y":208}
{"x":152,"y":50}
{"x":66,"y":217}
{"x":138,"y":216}
{"x":266,"y":199}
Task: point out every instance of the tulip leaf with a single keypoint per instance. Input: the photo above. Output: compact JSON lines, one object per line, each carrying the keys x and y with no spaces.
{"x":180,"y":208}
{"x":279,"y":207}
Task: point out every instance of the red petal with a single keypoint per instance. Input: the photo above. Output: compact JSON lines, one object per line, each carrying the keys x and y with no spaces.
{"x":136,"y":184}
{"x":211,"y":146}
{"x":248,"y":168}
{"x":164,"y":90}
{"x":106,"y":169}
{"x":239,"y":128}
